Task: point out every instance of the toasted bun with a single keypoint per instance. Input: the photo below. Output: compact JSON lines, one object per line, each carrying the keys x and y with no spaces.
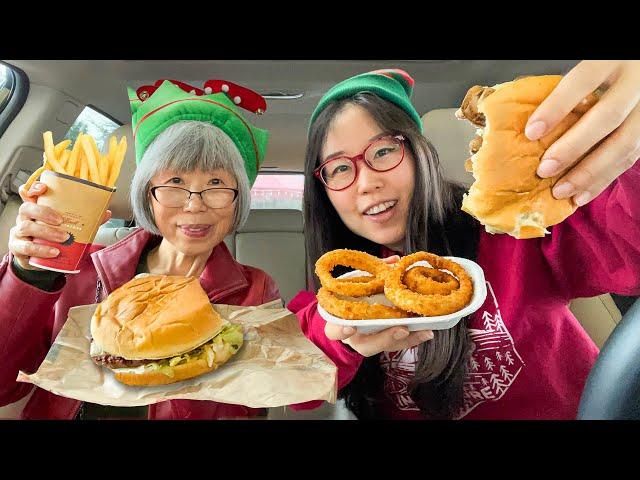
{"x":507,"y":195}
{"x":154,"y":317}
{"x":192,"y":368}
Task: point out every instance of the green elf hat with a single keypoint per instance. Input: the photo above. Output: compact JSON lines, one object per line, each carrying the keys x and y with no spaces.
{"x":393,"y":84}
{"x":156,"y":107}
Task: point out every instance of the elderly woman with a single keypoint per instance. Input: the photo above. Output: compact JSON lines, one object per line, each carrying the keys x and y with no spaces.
{"x":197,"y":158}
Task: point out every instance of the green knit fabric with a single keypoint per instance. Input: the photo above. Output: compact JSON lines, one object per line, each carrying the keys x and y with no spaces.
{"x":394,"y":85}
{"x":170,"y":104}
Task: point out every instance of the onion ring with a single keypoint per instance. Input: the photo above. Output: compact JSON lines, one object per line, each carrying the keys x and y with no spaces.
{"x":351,"y":258}
{"x":355,"y":310}
{"x":427,"y":304}
{"x":362,"y":279}
{"x":425,"y":280}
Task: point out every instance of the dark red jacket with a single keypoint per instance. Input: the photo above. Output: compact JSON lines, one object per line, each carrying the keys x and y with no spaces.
{"x":31,"y":319}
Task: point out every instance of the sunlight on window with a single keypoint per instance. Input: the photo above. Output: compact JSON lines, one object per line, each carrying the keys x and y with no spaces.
{"x":4,"y":85}
{"x":95,"y":124}
{"x":3,"y":75}
{"x":278,"y":191}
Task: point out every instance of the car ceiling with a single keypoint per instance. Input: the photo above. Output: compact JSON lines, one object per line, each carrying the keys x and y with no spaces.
{"x":439,"y":84}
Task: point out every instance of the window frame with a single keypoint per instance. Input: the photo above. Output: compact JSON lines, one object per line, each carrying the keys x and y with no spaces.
{"x":17,"y":97}
{"x":96,"y":110}
{"x":103,"y":113}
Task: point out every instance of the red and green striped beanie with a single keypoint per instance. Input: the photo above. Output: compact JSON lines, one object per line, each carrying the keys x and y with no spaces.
{"x":156,"y":107}
{"x":392,"y":84}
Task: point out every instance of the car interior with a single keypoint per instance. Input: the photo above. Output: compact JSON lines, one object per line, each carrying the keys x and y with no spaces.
{"x":40,"y":95}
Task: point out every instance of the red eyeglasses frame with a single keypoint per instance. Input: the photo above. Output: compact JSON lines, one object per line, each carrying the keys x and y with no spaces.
{"x":357,"y":158}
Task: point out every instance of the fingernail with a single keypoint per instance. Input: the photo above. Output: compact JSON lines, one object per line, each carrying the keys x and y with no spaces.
{"x":401,"y":334}
{"x":424,"y":336}
{"x":54,"y":251}
{"x":583,"y":198}
{"x":64,"y":236}
{"x":36,"y":187}
{"x":563,"y":190}
{"x":535,"y":130}
{"x":55,"y":219}
{"x":348,"y":330}
{"x":548,"y":168}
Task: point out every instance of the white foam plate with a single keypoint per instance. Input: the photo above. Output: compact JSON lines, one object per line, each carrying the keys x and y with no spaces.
{"x":441,"y":322}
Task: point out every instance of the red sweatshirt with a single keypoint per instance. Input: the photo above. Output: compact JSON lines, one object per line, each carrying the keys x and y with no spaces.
{"x":531,"y":356}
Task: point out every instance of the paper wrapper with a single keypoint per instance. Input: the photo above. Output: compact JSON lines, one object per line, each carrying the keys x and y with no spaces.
{"x":81,"y":204}
{"x":277,"y":365}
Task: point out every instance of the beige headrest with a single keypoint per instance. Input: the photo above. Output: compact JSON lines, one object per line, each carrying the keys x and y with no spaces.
{"x":273,"y":220}
{"x":451,"y":138}
{"x":120,"y":206}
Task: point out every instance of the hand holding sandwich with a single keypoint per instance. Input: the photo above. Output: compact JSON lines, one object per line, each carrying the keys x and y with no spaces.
{"x":609,"y":133}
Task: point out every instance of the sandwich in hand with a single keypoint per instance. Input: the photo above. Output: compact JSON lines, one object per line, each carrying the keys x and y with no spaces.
{"x":507,"y":195}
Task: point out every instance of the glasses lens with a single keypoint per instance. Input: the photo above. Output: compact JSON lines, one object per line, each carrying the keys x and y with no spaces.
{"x":174,"y":197}
{"x":218,"y":197}
{"x":384,"y":154}
{"x":171,"y":196}
{"x":338,"y":173}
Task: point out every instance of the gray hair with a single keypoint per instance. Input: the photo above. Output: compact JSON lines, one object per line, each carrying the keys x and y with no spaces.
{"x":187,"y":146}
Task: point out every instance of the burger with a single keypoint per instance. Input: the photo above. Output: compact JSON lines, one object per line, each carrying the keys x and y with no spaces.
{"x":507,"y":195}
{"x":158,"y":329}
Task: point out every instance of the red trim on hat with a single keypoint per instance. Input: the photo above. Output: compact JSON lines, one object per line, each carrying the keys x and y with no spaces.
{"x":249,"y":100}
{"x":144,"y":117}
{"x":387,"y":72}
{"x":184,"y":86}
{"x":145,"y":91}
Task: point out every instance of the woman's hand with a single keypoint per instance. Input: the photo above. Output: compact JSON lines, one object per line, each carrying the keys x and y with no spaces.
{"x":389,"y":340}
{"x":26,"y":229}
{"x":615,"y":118}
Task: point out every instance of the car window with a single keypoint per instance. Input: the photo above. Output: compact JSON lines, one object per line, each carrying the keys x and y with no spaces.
{"x":278,"y":191}
{"x":100,"y":127}
{"x":11,"y":84}
{"x":96,"y":124}
{"x":5,"y":85}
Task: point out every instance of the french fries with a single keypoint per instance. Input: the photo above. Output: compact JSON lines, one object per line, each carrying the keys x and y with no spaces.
{"x":83,"y":161}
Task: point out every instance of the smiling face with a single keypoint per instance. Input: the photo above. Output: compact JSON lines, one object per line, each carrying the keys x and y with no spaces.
{"x":376,"y":205}
{"x":193,"y":228}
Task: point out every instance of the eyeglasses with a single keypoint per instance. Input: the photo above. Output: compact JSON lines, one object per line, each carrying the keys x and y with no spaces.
{"x":176,"y":197}
{"x":381,"y":155}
